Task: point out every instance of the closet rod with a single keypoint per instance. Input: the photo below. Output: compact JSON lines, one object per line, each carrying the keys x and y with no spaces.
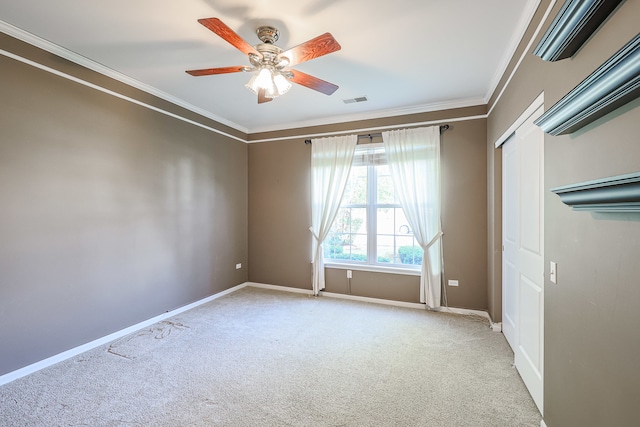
{"x":379,"y":134}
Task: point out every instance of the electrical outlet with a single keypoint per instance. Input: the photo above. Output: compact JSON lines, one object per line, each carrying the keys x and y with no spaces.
{"x":238,"y":266}
{"x":553,"y":272}
{"x":453,"y":283}
{"x":349,"y":274}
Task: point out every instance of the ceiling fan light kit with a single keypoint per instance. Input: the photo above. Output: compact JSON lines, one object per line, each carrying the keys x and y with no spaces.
{"x":270,"y":79}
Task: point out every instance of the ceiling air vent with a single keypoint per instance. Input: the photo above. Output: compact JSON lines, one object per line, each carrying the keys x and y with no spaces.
{"x":354,"y":100}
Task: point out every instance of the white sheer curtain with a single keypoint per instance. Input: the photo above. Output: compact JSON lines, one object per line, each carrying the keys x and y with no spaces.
{"x":414,"y":162}
{"x":330,"y":166}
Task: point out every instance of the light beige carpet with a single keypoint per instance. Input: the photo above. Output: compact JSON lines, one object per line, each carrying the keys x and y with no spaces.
{"x":269,"y":358}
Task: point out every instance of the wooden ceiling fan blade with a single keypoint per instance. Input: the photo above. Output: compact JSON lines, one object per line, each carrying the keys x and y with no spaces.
{"x":221,"y":29}
{"x":314,"y":48}
{"x":262,"y":96}
{"x":313,"y":82}
{"x":220,"y":70}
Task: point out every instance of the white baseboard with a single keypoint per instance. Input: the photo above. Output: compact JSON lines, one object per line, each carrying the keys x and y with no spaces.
{"x":465,"y":311}
{"x":496,"y":327}
{"x":280,"y":288}
{"x":543,"y":424}
{"x":454,"y":310}
{"x":335,"y":295}
{"x":373,"y":300}
{"x":34,"y":367}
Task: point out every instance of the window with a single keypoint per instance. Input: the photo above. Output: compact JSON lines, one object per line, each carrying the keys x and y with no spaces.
{"x":370,"y":227}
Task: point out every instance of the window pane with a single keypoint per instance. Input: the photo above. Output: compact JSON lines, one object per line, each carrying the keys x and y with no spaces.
{"x":409,"y":252}
{"x":346,"y":247}
{"x":350,"y":220}
{"x":386,"y":221}
{"x":393,"y":221}
{"x":358,"y":220}
{"x":385,"y":249}
{"x":386,"y":193}
{"x":402,"y":225}
{"x":333,"y":245}
{"x":348,"y":238}
{"x":358,"y":248}
{"x":355,"y":193}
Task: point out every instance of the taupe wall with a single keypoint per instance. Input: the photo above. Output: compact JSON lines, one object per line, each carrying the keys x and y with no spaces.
{"x":279,"y":216}
{"x":110,"y":213}
{"x":592,"y":345}
{"x":280,"y":213}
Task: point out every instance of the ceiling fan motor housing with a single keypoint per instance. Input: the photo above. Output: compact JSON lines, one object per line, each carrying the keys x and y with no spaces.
{"x":270,"y":54}
{"x":268,"y":34}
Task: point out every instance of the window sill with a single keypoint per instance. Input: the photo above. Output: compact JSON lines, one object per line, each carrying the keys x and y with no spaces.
{"x":373,"y":268}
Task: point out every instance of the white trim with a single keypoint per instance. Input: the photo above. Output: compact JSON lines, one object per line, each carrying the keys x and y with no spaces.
{"x":34,"y":40}
{"x":55,"y":49}
{"x":496,"y":327}
{"x":372,"y":129}
{"x":112,"y":93}
{"x":195,"y":123}
{"x":524,"y":53}
{"x":373,"y":300}
{"x":521,"y":28}
{"x":415,"y":305}
{"x":34,"y":367}
{"x":425,"y":108}
{"x":537,"y":103}
{"x":101,"y":69}
{"x":543,"y":424}
{"x":463,"y":311}
{"x":280,"y":288}
{"x":373,"y":268}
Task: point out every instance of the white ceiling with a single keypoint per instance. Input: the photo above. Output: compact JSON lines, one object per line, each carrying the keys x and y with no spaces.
{"x":405,"y":56}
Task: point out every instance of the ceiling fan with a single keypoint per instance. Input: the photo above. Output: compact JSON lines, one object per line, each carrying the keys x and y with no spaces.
{"x":269,"y":63}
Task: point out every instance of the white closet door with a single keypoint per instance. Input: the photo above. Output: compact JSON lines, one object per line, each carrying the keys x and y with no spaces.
{"x":523,"y":258}
{"x":510,"y":239}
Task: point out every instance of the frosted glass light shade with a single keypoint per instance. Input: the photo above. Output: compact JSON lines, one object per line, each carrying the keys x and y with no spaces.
{"x":262,"y":80}
{"x":274,"y":83}
{"x":282,"y":85}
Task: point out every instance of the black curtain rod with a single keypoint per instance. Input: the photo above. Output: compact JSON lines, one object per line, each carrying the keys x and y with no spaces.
{"x":379,"y":134}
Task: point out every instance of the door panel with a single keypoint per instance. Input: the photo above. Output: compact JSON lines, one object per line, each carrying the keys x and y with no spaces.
{"x":509,"y":242}
{"x":530,"y":232}
{"x":530,"y":338}
{"x":523,"y":260}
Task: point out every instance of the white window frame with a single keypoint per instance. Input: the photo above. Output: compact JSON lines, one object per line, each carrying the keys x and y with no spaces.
{"x":372,"y":235}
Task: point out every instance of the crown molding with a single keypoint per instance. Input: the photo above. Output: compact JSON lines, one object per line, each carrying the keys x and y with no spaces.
{"x":572,"y":27}
{"x":525,"y":52}
{"x":614,"y":194}
{"x":516,"y":39}
{"x":62,"y":52}
{"x":615,"y":83}
{"x":371,"y":129}
{"x":378,"y":114}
